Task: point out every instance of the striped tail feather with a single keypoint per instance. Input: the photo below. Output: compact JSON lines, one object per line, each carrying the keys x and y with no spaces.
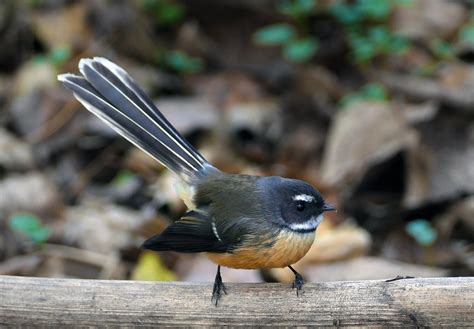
{"x":111,"y":94}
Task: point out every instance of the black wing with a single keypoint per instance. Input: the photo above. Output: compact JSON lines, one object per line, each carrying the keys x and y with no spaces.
{"x":194,"y":232}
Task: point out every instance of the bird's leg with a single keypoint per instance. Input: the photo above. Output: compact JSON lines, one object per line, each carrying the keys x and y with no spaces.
{"x":298,"y":283}
{"x":218,"y":287}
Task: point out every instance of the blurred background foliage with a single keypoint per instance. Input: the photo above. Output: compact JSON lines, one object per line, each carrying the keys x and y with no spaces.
{"x":370,"y":101}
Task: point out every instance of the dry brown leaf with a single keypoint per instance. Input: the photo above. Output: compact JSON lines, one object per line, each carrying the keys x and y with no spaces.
{"x":15,"y":154}
{"x":32,"y":192}
{"x":362,"y":135}
{"x":100,"y":226}
{"x":65,"y":26}
{"x":429,"y":19}
{"x":337,"y":243}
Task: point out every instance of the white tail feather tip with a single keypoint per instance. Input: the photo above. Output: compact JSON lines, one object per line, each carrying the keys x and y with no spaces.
{"x":65,"y":76}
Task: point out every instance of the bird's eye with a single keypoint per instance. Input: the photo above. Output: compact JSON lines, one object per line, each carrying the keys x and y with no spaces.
{"x":300,"y":206}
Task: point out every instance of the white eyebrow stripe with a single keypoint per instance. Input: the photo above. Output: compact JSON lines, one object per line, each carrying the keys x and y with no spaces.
{"x":303,"y":197}
{"x":310,"y":224}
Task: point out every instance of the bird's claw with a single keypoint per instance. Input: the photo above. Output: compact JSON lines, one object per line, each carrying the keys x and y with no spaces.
{"x":298,"y":283}
{"x":219,"y":287}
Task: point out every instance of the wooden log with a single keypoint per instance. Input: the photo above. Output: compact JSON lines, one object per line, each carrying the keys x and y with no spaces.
{"x":435,"y":302}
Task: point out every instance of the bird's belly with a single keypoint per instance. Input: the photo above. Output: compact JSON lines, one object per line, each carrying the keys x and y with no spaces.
{"x":289,"y":247}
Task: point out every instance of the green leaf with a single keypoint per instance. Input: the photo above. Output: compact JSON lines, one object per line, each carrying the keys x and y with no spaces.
{"x":122,"y":177}
{"x":170,"y":14}
{"x":60,"y":55}
{"x":166,"y":12}
{"x":375,"y":9}
{"x":300,"y":50}
{"x":180,"y":62}
{"x":374,"y":91}
{"x":350,"y":99}
{"x":276,"y":34}
{"x":362,"y":49}
{"x":399,"y":44}
{"x":371,"y":91}
{"x":403,"y":2}
{"x":467,"y":34}
{"x":442,"y":49}
{"x":422,"y":231}
{"x":30,"y":226}
{"x":380,"y":36}
{"x":345,"y":14}
{"x":296,"y":8}
{"x":40,"y":59}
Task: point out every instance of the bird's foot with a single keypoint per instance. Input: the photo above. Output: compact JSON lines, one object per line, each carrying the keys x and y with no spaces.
{"x":219,"y":287}
{"x":298,"y":282}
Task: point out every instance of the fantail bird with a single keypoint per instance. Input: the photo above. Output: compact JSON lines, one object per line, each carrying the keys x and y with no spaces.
{"x":240,"y":221}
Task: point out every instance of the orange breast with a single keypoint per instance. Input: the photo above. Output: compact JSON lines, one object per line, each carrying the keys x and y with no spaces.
{"x":289,"y":247}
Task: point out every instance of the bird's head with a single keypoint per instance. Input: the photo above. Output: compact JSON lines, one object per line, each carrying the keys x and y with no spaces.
{"x":293,"y":204}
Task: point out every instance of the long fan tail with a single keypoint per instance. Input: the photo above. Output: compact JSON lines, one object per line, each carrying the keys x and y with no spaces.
{"x":110,"y":93}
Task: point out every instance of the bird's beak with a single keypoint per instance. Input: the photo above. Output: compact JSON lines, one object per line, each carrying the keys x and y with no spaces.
{"x":328,"y":207}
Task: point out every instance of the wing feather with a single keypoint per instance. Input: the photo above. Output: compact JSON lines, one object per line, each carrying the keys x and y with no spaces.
{"x":194,"y":232}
